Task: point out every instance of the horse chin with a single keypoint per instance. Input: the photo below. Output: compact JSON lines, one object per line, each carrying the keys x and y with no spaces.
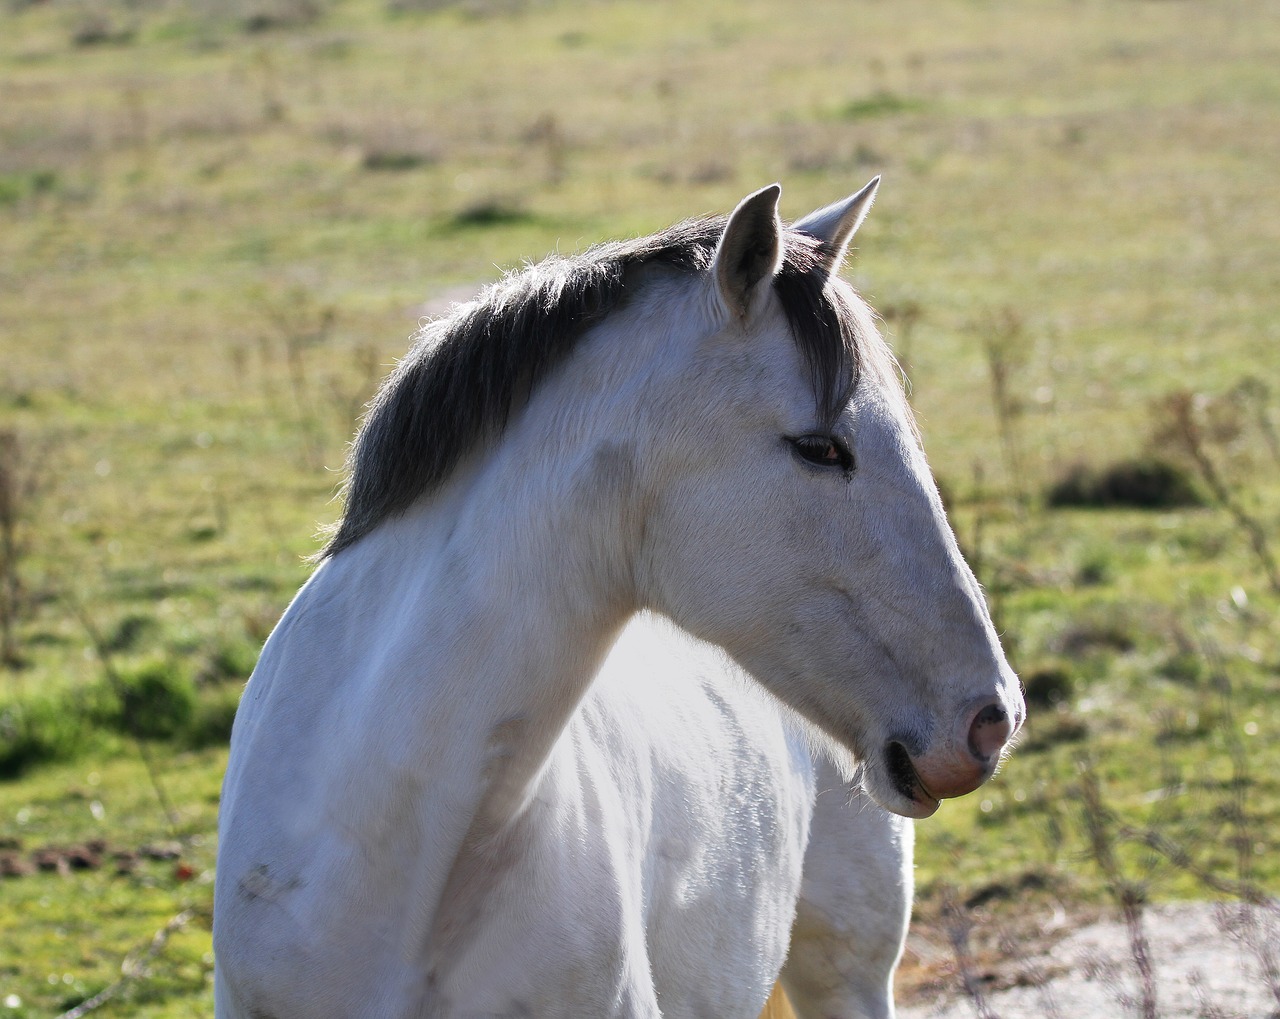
{"x":889,"y":777}
{"x":919,"y":805}
{"x":894,"y":784}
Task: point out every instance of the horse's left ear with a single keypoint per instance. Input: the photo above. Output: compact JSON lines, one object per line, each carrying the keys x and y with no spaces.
{"x":750,"y":249}
{"x":836,"y":224}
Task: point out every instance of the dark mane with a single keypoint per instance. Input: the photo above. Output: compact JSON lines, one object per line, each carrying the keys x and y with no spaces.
{"x":461,"y":379}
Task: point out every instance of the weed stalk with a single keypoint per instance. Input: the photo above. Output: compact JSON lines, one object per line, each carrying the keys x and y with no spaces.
{"x":21,"y":480}
{"x":959,"y":925}
{"x":1004,"y":344}
{"x":301,"y":324}
{"x":103,"y":652}
{"x":906,"y":316}
{"x":1181,"y":426}
{"x":134,"y":966}
{"x":1254,"y":394}
{"x":1130,"y":896}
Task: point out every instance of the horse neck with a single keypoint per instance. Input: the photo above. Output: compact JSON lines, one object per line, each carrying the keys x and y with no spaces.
{"x":488,"y":608}
{"x":495,"y":643}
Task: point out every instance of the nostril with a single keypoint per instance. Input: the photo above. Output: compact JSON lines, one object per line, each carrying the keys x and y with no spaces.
{"x":989,"y":731}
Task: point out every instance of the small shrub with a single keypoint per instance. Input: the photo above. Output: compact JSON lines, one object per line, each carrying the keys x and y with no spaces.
{"x":1030,"y":882}
{"x":214,"y":714}
{"x":157,"y":701}
{"x":230,"y":661}
{"x":1045,"y":729}
{"x":25,"y":739}
{"x":393,"y":160}
{"x":16,"y":187}
{"x":1095,"y":568}
{"x":1146,"y":483}
{"x":1093,"y":635}
{"x":1184,"y":666}
{"x":387,"y":144}
{"x":880,"y":103}
{"x":397,"y":7}
{"x":273,"y":15}
{"x":130,"y":632}
{"x":489,"y":212}
{"x":154,"y":701}
{"x":96,"y":28}
{"x":1048,"y":686}
{"x":44,"y":728}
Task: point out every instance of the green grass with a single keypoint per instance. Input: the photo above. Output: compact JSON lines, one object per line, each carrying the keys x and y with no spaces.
{"x":214,"y":240}
{"x":64,"y":936}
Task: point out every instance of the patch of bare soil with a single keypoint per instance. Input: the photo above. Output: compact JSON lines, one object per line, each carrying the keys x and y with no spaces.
{"x":1204,"y":960}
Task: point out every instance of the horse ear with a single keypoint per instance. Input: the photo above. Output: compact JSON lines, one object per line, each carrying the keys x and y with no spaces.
{"x":750,"y":250}
{"x":836,"y":224}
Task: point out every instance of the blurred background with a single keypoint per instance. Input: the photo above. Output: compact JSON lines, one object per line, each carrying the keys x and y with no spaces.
{"x":221,"y":220}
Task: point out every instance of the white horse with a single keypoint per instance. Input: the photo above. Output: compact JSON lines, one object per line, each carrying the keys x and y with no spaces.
{"x":478,"y":772}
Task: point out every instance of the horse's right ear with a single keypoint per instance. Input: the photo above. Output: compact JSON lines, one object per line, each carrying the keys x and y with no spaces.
{"x":750,"y":250}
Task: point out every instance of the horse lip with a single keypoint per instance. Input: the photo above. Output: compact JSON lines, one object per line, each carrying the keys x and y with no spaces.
{"x":904,"y":777}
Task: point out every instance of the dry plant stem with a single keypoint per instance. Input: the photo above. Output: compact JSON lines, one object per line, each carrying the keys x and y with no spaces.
{"x":1244,"y":922}
{"x":959,"y":924}
{"x":1255,"y":391}
{"x":1098,"y":822}
{"x":20,"y":482}
{"x":1035,"y":974}
{"x":1170,"y":778}
{"x":302,"y":325}
{"x":103,"y":653}
{"x":350,"y":394}
{"x":975,"y":552}
{"x":1206,"y":1010}
{"x":1185,"y":430}
{"x":906,"y":316}
{"x":1256,"y":927}
{"x":985,"y":571}
{"x":10,"y":588}
{"x":1003,"y":348}
{"x":1246,"y":925}
{"x":1240,"y":779}
{"x":134,"y":966}
{"x":1181,"y":858}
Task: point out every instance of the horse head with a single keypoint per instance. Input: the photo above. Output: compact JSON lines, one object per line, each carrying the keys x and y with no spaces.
{"x":792,"y":517}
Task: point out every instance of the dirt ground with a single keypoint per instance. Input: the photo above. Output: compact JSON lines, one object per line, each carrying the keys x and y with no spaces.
{"x":1208,"y":961}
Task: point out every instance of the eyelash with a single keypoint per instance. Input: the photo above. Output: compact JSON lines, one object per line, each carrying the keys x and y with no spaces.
{"x":825,"y":451}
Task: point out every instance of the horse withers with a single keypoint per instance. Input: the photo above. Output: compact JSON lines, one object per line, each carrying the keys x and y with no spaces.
{"x":643,"y":592}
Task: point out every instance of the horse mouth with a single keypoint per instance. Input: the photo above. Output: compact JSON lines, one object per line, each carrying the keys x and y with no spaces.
{"x":906,"y":782}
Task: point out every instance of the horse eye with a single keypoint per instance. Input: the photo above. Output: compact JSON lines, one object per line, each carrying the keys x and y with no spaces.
{"x":823,"y":451}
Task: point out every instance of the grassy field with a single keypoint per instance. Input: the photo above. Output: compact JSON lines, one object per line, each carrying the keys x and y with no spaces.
{"x":220,"y":220}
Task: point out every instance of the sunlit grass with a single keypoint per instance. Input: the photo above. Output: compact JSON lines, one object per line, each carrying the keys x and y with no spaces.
{"x":213,"y":240}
